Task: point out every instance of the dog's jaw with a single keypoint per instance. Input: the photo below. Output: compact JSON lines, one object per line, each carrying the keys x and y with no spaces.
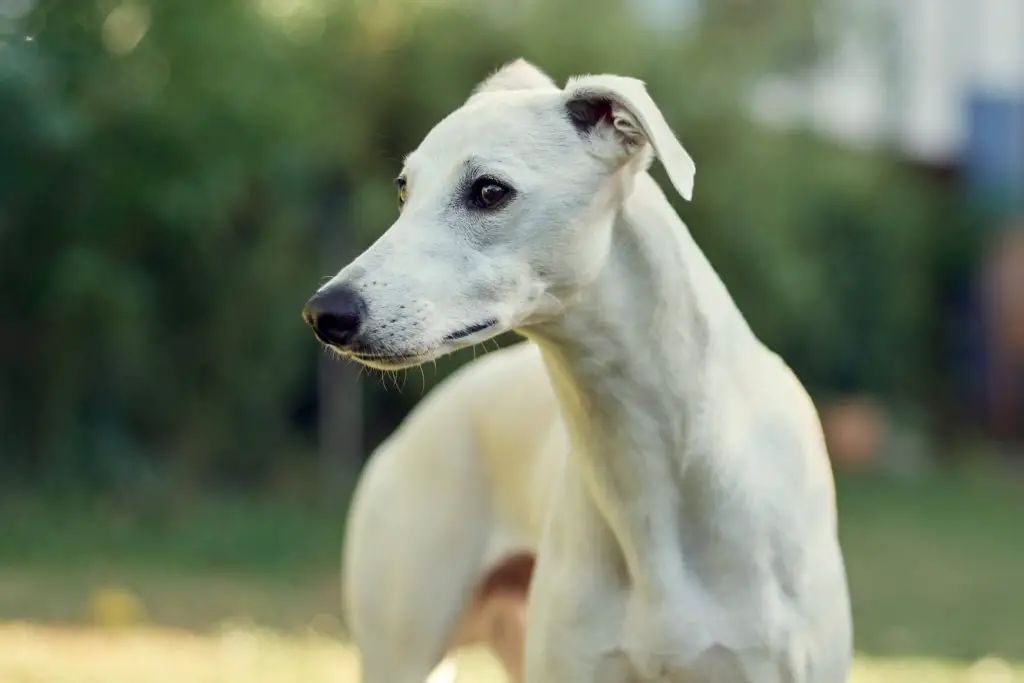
{"x":387,"y":363}
{"x":390,"y":360}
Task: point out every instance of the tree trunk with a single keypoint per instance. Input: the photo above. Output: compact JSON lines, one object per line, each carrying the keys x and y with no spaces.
{"x":340,"y":428}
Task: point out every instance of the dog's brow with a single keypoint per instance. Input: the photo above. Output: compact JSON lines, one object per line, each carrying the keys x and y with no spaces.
{"x":399,"y":181}
{"x":472,"y":167}
{"x":475,"y":167}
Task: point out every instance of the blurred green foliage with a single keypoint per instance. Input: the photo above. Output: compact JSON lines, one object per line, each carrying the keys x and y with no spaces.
{"x":176,"y":178}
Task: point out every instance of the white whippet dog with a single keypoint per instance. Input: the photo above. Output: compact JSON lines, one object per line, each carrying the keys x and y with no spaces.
{"x":690,"y":533}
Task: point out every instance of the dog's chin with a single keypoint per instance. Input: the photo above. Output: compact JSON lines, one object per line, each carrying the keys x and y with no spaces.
{"x":394,"y":359}
{"x":389,"y":362}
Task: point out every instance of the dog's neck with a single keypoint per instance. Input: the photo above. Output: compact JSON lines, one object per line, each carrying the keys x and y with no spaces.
{"x":631,"y":361}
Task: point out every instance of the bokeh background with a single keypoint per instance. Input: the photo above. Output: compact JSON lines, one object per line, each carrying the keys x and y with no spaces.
{"x":176,"y":178}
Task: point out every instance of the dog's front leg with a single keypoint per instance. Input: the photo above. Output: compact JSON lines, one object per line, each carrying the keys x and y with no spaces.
{"x":578,"y":596}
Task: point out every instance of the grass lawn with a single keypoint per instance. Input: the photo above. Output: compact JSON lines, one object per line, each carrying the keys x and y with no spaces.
{"x":231,"y":590}
{"x":936,"y":567}
{"x":33,"y":654}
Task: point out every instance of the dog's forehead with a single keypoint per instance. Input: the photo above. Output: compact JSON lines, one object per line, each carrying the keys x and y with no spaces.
{"x":498,"y":127}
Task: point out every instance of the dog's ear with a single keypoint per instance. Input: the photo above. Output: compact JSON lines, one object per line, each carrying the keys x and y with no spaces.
{"x":517,"y":75}
{"x":619,"y":112}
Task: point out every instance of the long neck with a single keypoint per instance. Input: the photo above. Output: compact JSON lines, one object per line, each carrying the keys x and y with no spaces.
{"x":630,"y":363}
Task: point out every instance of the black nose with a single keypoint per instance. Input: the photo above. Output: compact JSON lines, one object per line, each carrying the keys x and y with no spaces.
{"x":335,"y":314}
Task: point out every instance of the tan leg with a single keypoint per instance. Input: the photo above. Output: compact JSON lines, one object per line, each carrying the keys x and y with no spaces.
{"x":506,"y":614}
{"x":497,"y":617}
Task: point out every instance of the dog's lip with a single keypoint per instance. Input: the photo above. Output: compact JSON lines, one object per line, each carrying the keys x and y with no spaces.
{"x":384,"y":361}
{"x":399,"y":361}
{"x":471,"y":330}
{"x":385,"y":357}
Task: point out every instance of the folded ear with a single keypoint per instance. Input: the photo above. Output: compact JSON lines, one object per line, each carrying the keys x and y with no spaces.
{"x":618,"y":110}
{"x":517,"y":75}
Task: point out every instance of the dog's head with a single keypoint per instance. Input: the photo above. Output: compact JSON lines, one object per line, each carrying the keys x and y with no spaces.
{"x":505,"y":214}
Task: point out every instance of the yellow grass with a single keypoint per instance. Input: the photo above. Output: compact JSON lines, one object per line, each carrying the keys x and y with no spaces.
{"x":32,"y":653}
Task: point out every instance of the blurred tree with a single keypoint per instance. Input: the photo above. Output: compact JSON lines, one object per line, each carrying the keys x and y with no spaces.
{"x":156,"y":247}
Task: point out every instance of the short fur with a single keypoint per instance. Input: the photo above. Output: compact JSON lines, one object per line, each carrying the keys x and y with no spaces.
{"x":690,"y":535}
{"x":446,"y":517}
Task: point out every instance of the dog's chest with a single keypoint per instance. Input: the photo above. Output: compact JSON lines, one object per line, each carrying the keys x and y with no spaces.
{"x":666,"y":642}
{"x":689,"y":642}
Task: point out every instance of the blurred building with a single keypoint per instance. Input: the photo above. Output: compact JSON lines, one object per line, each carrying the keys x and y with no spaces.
{"x":941,"y":81}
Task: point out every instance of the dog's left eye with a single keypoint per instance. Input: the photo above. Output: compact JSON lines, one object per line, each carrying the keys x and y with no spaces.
{"x":489,"y":194}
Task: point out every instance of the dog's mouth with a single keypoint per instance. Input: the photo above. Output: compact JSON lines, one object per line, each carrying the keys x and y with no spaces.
{"x":470,"y":330}
{"x":399,"y":361}
{"x":380,"y":361}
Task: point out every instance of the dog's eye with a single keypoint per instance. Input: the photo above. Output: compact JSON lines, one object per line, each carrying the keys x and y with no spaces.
{"x":489,"y":194}
{"x":403,"y":191}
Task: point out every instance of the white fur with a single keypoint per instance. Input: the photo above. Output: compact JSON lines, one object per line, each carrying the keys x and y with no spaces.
{"x":457,"y":489}
{"x":690,"y":534}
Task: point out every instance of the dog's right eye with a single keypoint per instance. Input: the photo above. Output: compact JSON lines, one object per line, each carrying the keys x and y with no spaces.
{"x":488,"y":193}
